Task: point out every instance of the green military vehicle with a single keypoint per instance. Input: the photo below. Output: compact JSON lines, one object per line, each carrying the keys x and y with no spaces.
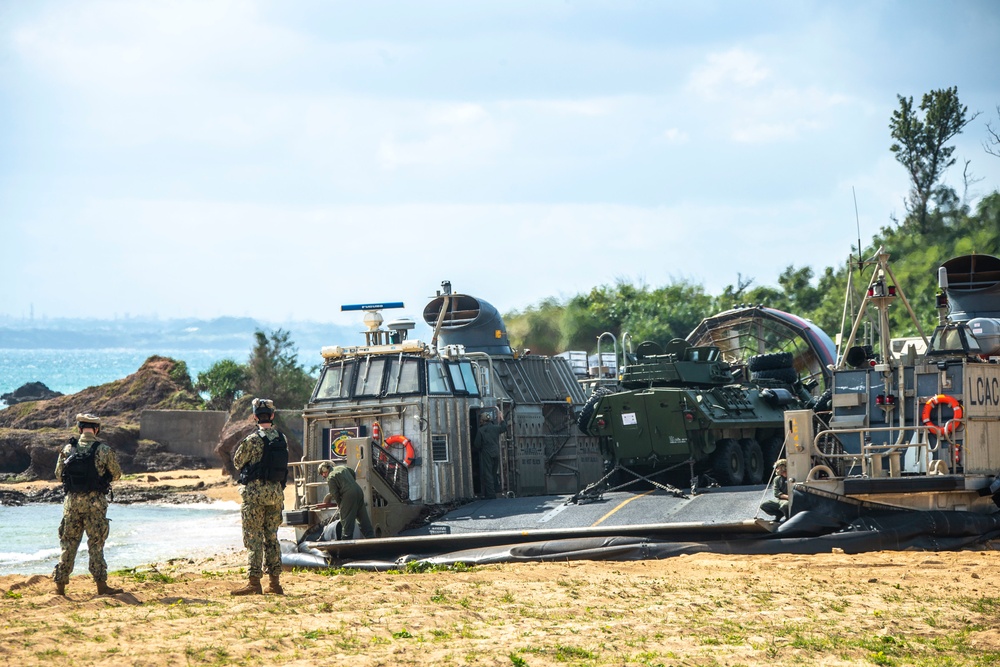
{"x":684,"y":408}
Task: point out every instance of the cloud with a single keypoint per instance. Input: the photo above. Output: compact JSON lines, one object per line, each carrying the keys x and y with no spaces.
{"x":722,"y":72}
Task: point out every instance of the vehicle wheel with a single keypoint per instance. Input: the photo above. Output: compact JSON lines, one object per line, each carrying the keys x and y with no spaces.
{"x":773,"y":448}
{"x":753,"y":460}
{"x":770,"y":362}
{"x":787,"y":375}
{"x":727,"y":466}
{"x":583,"y":421}
{"x":823,"y":402}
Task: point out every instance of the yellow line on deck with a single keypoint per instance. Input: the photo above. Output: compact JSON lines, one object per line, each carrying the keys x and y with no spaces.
{"x":620,"y":505}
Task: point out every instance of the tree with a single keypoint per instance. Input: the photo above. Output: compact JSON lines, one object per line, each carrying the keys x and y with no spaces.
{"x":224,"y":382}
{"x":920,"y":145}
{"x":274,"y":371}
{"x":992,"y":145}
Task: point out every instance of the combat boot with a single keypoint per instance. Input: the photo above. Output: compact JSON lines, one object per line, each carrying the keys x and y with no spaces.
{"x":60,"y":589}
{"x":275,"y":585}
{"x":252,"y":588}
{"x":104,"y":589}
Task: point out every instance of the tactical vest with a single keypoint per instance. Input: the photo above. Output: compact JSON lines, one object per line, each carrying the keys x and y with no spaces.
{"x":79,"y":472}
{"x":273,"y":463}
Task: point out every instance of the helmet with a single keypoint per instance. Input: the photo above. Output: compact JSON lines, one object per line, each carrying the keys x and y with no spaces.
{"x":781,"y":463}
{"x":325,"y":467}
{"x":263,"y":407}
{"x":87,"y":420}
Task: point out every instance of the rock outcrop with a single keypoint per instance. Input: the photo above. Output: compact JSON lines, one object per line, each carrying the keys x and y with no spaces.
{"x":32,"y":391}
{"x":33,"y":432}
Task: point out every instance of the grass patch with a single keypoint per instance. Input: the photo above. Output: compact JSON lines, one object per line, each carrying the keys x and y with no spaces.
{"x":145,"y":575}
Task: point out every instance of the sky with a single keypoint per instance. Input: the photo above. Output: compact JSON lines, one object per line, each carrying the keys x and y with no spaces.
{"x":275,"y":159}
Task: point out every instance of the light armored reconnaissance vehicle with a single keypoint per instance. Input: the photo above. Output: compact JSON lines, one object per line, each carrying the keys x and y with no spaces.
{"x":914,"y":423}
{"x":404,"y":414}
{"x":687,"y":408}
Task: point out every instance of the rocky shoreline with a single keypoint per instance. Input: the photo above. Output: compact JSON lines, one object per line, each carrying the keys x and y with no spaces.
{"x":124,"y":496}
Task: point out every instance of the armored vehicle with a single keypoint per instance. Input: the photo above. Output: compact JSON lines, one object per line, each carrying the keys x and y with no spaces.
{"x":686,"y":407}
{"x":406,"y":413}
{"x":914,"y":422}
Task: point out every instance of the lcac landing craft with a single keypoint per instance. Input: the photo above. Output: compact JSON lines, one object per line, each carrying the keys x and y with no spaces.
{"x":404,"y":414}
{"x":914,"y":423}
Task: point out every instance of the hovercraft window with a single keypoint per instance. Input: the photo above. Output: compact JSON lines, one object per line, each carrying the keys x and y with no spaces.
{"x":437,"y":381}
{"x":370,"y":374}
{"x":457,"y":379}
{"x":404,"y":376}
{"x":336,"y":382}
{"x":469,"y":378}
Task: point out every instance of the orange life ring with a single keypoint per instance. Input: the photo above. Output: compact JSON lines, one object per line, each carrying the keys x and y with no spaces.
{"x":410,"y":455}
{"x":952,"y":424}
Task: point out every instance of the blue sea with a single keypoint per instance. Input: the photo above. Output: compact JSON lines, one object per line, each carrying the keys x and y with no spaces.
{"x":70,"y":371}
{"x":141,"y":533}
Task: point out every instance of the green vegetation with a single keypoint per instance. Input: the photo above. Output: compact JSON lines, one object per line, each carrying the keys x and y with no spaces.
{"x":939,"y":225}
{"x":144,"y":575}
{"x":272,"y":371}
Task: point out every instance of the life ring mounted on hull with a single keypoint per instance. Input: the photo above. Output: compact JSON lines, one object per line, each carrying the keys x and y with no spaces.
{"x":952,"y":424}
{"x":409,"y":455}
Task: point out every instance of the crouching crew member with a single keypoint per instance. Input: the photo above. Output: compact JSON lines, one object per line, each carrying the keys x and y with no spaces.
{"x":350,"y":499}
{"x":777,"y":504}
{"x":262,"y":459}
{"x":86,"y":468}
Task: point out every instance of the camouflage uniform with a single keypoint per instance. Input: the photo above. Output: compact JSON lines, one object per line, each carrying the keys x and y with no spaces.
{"x":261,"y":508}
{"x":85,"y":512}
{"x":487,"y":443}
{"x":350,"y":499}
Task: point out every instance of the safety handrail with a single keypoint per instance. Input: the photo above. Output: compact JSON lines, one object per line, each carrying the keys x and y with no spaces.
{"x":870,"y":449}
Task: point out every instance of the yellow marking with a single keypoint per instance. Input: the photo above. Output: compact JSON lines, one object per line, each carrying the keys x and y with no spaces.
{"x":620,"y":505}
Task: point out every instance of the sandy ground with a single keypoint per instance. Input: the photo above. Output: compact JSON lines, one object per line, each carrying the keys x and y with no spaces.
{"x":881,"y":608}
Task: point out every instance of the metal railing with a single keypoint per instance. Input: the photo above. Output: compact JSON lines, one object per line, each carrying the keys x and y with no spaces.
{"x":871,"y":456}
{"x":392,"y":471}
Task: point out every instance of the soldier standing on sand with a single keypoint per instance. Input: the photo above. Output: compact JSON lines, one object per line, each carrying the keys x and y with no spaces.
{"x":350,"y":499}
{"x":262,"y":459}
{"x":487,"y":443}
{"x":86,"y":468}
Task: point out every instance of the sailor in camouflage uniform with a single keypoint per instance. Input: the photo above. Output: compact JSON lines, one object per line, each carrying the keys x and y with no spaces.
{"x":263,"y":501}
{"x":86,"y":467}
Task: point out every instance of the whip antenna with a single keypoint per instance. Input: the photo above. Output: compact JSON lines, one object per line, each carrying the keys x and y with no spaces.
{"x":858,"y":219}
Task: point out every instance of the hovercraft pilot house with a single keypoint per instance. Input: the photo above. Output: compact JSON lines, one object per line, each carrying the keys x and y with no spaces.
{"x":407,"y":412}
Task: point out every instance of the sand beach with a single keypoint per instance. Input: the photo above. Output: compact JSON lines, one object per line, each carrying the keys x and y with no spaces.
{"x":882,"y":608}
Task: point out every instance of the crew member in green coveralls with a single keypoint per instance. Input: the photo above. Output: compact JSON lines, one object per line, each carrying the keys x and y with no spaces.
{"x":350,"y":499}
{"x":262,"y":459}
{"x":777,"y":504}
{"x":86,"y":468}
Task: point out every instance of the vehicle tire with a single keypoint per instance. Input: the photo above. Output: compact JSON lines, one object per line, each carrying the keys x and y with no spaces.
{"x":773,"y":449}
{"x":583,"y":420}
{"x":824,"y":402}
{"x":786,"y":375}
{"x":727,"y":465}
{"x":770,"y":362}
{"x":753,"y":461}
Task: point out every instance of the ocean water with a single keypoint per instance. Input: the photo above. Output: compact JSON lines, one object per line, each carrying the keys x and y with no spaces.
{"x":70,"y":371}
{"x":140,"y":534}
